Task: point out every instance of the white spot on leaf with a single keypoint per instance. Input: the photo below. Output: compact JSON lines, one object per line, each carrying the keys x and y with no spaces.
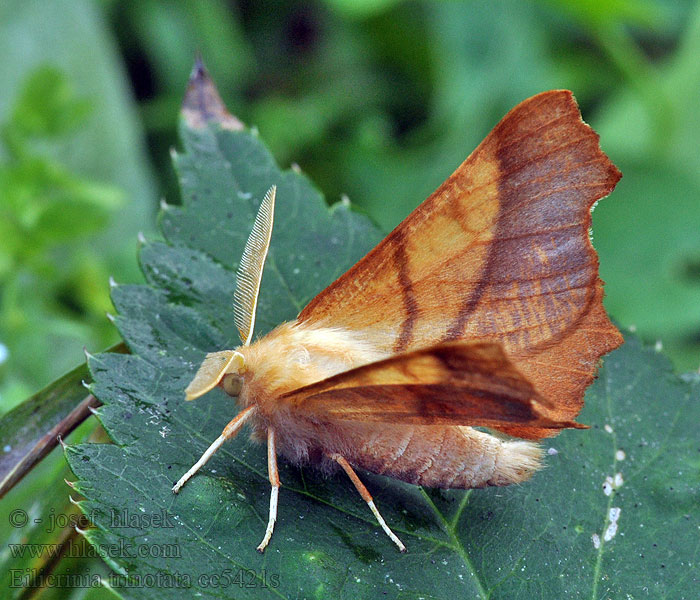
{"x":613,"y":516}
{"x":612,"y":483}
{"x":608,"y":486}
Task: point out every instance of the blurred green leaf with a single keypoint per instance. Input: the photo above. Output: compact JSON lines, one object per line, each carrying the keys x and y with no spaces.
{"x":47,"y":105}
{"x":480,"y":65}
{"x":595,"y":12}
{"x":109,"y":146}
{"x":46,"y":209}
{"x":360,"y":8}
{"x":72,"y":152}
{"x":172,"y":31}
{"x":647,"y":235}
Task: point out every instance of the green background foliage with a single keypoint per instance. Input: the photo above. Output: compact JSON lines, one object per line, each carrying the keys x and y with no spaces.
{"x":377,"y":100}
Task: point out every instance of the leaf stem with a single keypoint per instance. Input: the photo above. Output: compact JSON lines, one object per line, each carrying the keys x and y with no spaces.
{"x":457,"y":544}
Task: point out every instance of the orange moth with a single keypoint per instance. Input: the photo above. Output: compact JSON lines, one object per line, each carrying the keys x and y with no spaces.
{"x":483,"y":308}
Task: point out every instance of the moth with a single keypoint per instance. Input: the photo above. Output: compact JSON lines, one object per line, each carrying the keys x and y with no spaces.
{"x":482,"y":309}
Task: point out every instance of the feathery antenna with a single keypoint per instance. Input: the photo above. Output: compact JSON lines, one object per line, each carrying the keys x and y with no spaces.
{"x":250,"y":270}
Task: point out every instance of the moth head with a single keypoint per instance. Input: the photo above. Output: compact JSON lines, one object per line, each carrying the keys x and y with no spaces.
{"x":226,"y":368}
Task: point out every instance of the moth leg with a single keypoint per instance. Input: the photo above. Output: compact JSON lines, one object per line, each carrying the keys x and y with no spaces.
{"x":229,"y":431}
{"x":275,"y":483}
{"x":367,"y":497}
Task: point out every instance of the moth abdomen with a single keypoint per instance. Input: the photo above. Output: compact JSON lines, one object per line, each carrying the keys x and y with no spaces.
{"x":446,"y":457}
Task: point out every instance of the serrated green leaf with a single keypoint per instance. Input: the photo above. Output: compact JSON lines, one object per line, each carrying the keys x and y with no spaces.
{"x":533,"y":540}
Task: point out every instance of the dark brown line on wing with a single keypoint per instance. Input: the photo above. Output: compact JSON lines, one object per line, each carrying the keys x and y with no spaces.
{"x":471,"y":302}
{"x":409,"y":298}
{"x":511,"y":198}
{"x":469,"y":306}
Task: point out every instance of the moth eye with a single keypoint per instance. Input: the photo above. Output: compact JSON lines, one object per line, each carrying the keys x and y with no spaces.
{"x":232,"y":385}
